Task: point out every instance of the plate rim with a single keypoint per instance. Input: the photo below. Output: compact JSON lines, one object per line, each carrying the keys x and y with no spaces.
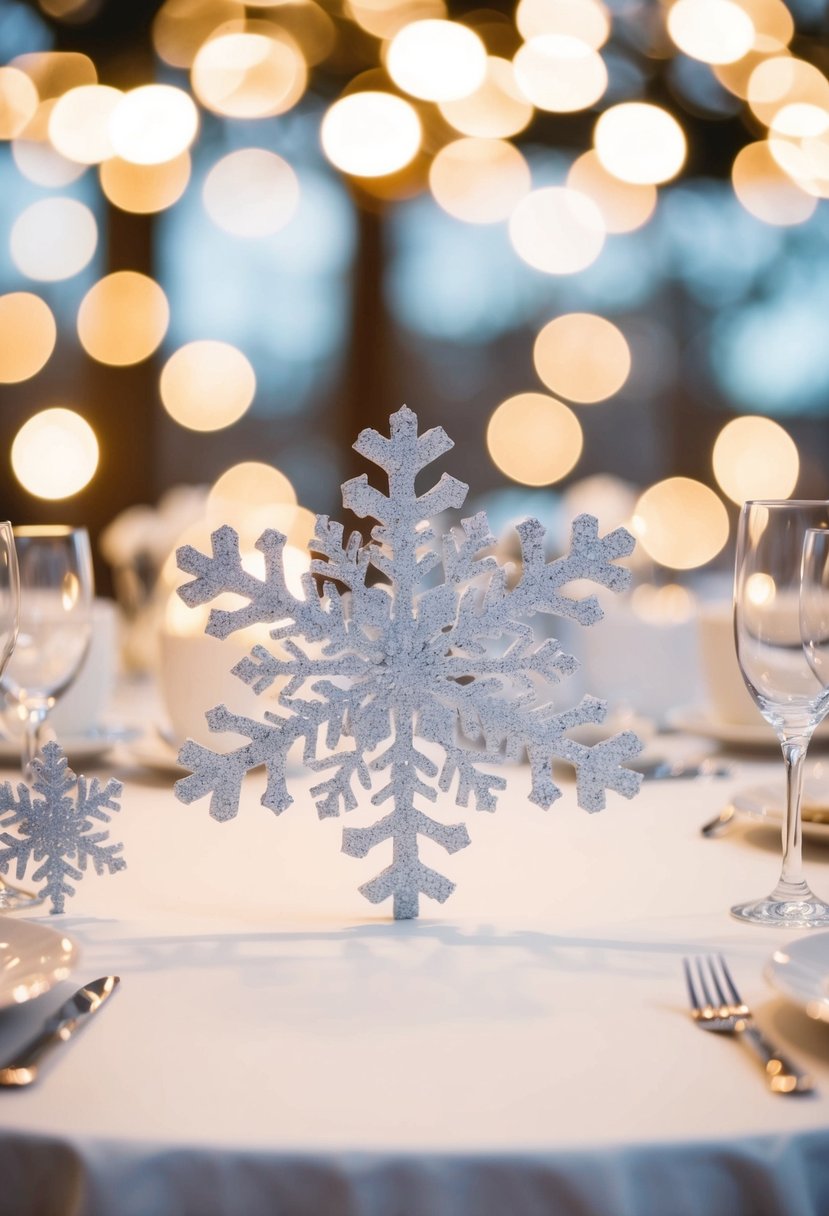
{"x":816,"y":1006}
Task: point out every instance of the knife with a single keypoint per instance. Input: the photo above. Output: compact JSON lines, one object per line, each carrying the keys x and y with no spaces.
{"x":22,"y":1069}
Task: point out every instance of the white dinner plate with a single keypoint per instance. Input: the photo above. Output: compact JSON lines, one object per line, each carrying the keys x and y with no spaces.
{"x":766,"y":802}
{"x":80,"y":749}
{"x":800,"y":971}
{"x":699,"y":720}
{"x":33,"y":959}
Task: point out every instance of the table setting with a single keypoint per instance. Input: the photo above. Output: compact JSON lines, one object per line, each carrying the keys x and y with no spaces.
{"x":529,"y":1040}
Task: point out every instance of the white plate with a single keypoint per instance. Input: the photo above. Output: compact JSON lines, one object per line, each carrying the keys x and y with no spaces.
{"x":81,"y":749}
{"x":766,"y":802}
{"x":32,"y":959}
{"x":800,"y":971}
{"x":698,"y":720}
{"x":155,"y":753}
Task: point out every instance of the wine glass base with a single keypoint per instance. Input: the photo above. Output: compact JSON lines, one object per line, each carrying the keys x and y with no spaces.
{"x":804,"y":913}
{"x":13,"y":899}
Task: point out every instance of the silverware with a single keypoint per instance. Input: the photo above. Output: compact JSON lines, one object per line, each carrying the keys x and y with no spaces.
{"x":722,"y":1010}
{"x":22,"y":1069}
{"x":720,"y":822}
{"x":667,"y":770}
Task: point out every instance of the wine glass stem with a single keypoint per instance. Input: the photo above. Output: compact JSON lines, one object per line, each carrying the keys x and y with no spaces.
{"x":794,"y":754}
{"x":35,"y":718}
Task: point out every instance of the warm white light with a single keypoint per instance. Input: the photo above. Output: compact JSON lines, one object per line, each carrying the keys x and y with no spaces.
{"x":251,"y":193}
{"x":624,"y":206}
{"x":560,"y":73}
{"x":371,"y":134}
{"x":496,"y":109}
{"x":715,"y":31}
{"x":55,"y":454}
{"x":583,"y":357}
{"x":587,"y":20}
{"x":37,"y":159}
{"x":53,"y":239}
{"x":54,"y":73}
{"x":534,"y":439}
{"x":557,"y":230}
{"x":479,"y":180}
{"x":181,"y":27}
{"x":437,"y":60}
{"x":153,"y":124}
{"x":766,"y":190}
{"x":755,"y":458}
{"x":145,"y":189}
{"x":680,"y":523}
{"x":244,"y":74}
{"x":640,"y":143}
{"x":760,"y":588}
{"x":18,"y":102}
{"x":248,"y":486}
{"x":786,"y":84}
{"x":207,"y":385}
{"x":27,"y":336}
{"x":79,"y":123}
{"x":123,"y":318}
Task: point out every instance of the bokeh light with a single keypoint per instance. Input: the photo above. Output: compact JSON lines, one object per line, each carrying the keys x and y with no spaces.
{"x":805,"y":161}
{"x":53,"y":239}
{"x":583,"y":357}
{"x":766,"y":190}
{"x":207,"y":385}
{"x":385,"y":18}
{"x":784,"y":83}
{"x":587,"y":20}
{"x":248,"y":485}
{"x":251,"y":193}
{"x":144,"y":189}
{"x":560,"y":73}
{"x":18,"y":102}
{"x":123,"y":318}
{"x":27,"y":336}
{"x":371,"y":134}
{"x":496,"y":109}
{"x":557,"y":230}
{"x":534,"y":439}
{"x":79,"y":123}
{"x":153,"y":124}
{"x":55,"y":454}
{"x":624,"y":206}
{"x":180,"y":27}
{"x":640,"y":143}
{"x":680,"y":523}
{"x":54,"y":73}
{"x":437,"y":60}
{"x":479,"y":180}
{"x":755,"y":458}
{"x":248,"y":73}
{"x":715,"y":31}
{"x":37,"y":159}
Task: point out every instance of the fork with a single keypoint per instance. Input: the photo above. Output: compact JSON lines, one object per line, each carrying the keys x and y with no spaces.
{"x":723,"y":1010}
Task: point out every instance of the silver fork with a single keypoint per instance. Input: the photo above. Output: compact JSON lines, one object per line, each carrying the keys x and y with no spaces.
{"x":717,"y":1005}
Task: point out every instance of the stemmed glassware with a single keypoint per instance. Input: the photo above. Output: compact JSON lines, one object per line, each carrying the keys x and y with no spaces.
{"x":56,"y":592}
{"x":778,"y":674}
{"x":814,"y":602}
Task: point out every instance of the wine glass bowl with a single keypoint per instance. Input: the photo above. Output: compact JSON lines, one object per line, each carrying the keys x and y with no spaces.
{"x":56,"y":592}
{"x":777,"y":672}
{"x":814,"y":603}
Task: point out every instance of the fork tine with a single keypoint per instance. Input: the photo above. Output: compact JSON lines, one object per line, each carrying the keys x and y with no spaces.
{"x":715,"y":979}
{"x":705,"y":992}
{"x":735,"y":996}
{"x":689,"y":980}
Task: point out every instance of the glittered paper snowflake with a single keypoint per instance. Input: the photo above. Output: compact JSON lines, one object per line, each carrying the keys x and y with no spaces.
{"x":56,"y":829}
{"x":371,"y":662}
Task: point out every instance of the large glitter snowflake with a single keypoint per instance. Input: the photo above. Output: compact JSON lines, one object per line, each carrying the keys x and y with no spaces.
{"x":57,"y":829}
{"x":383,"y":662}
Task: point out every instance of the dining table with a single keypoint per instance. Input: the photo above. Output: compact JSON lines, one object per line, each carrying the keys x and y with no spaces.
{"x":278,"y":1045}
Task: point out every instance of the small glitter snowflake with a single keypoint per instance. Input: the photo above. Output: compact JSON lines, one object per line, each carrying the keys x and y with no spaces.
{"x":384,"y":662}
{"x":57,"y":830}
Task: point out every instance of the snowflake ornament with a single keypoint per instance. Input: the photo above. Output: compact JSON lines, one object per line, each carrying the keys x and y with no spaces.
{"x":371,"y":662}
{"x":57,"y":830}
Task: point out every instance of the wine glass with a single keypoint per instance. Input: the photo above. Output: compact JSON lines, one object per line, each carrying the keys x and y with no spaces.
{"x":777,"y":673}
{"x":814,"y":602}
{"x":56,"y":591}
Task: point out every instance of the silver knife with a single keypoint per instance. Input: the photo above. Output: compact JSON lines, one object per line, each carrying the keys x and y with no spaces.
{"x":22,"y":1069}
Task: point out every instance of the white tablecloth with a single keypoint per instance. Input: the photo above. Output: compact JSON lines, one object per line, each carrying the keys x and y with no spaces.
{"x":278,"y":1045}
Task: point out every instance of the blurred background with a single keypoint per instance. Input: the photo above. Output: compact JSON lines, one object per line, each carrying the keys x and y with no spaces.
{"x":589,"y":238}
